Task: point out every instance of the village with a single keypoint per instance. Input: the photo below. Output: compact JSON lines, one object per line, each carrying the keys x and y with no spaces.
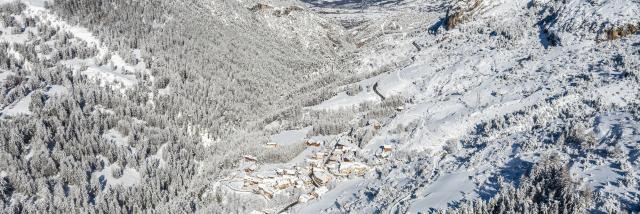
{"x":322,"y":165}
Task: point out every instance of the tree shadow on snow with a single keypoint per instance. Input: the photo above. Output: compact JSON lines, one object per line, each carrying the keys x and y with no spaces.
{"x":547,"y":38}
{"x":511,"y":172}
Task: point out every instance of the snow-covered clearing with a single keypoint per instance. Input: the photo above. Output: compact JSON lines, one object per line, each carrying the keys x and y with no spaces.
{"x":20,"y":107}
{"x":129,"y":177}
{"x":446,"y":189}
{"x":290,"y":137}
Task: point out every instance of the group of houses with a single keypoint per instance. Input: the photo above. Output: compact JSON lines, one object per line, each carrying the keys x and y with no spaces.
{"x":325,"y":164}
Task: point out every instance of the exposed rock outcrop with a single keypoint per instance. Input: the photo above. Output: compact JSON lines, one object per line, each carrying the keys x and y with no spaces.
{"x":619,"y":32}
{"x":260,"y":7}
{"x":461,"y":13}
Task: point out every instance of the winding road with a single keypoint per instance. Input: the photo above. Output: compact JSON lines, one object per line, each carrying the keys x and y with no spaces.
{"x":375,"y":89}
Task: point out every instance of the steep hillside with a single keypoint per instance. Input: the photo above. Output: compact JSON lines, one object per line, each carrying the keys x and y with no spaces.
{"x":107,"y":100}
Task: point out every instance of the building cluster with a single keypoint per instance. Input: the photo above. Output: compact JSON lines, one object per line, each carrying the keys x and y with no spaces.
{"x":326,"y":164}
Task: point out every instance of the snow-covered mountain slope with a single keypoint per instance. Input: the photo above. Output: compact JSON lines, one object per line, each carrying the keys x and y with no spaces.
{"x":319,"y":106}
{"x":139,"y":99}
{"x":591,"y":19}
{"x":487,"y":97}
{"x":487,"y":93}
